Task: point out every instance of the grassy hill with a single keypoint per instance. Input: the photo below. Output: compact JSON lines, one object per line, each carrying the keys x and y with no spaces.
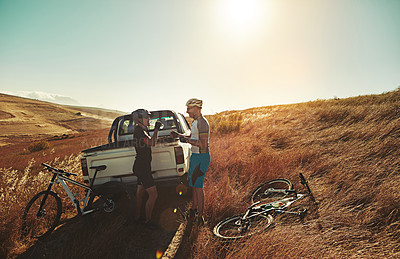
{"x":62,"y":129}
{"x":23,"y":117}
{"x":348,"y":149}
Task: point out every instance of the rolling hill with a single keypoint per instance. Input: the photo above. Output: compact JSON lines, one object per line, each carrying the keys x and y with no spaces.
{"x":27,"y":118}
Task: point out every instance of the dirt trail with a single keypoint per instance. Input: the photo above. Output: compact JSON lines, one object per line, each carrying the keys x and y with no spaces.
{"x":108,"y":235}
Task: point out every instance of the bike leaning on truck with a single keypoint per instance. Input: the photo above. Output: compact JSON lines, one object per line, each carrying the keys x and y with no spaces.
{"x":42,"y":213}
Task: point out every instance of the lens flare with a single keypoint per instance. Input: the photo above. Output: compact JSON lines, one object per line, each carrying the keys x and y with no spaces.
{"x":181,"y":190}
{"x":159,"y":254}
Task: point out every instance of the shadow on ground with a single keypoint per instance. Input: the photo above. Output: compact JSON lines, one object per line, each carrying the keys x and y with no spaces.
{"x":111,"y":235}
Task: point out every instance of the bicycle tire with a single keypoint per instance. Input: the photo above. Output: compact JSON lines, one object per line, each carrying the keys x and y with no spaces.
{"x":261,"y":192}
{"x":234,"y":227}
{"x":38,"y":226}
{"x":106,"y":196}
{"x":102,"y":202}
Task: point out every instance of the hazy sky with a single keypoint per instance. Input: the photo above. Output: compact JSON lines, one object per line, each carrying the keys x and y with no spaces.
{"x":234,"y":54}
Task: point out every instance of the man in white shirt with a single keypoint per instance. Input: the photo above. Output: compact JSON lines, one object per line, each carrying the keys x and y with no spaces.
{"x":200,"y":158}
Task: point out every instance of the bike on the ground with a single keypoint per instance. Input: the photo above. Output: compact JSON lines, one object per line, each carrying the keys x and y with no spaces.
{"x":43,"y":211}
{"x":272,"y":197}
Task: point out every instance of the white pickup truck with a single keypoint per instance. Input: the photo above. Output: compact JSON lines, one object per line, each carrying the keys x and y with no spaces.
{"x":170,"y":157}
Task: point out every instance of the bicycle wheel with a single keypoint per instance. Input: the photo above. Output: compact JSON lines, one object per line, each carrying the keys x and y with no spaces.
{"x":267,"y":192}
{"x":106,"y":196}
{"x":39,"y":223}
{"x":236,"y":227}
{"x":102,"y":202}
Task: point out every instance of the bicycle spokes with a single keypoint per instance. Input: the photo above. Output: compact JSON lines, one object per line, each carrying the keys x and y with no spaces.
{"x":40,"y":218}
{"x":242,"y":226}
{"x":41,"y":213}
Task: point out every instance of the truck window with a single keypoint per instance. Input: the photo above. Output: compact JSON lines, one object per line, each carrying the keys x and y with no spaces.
{"x":126,"y":127}
{"x":168,"y":121}
{"x":184,"y":123}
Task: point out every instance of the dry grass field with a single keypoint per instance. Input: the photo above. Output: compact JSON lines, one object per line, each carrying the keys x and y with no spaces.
{"x":25,"y":125}
{"x":348,"y":149}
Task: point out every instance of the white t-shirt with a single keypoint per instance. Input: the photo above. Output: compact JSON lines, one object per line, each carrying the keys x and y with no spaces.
{"x":200,"y":126}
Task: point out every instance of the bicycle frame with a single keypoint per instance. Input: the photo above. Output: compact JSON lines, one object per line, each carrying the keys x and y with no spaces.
{"x":278,"y":206}
{"x":59,"y":178}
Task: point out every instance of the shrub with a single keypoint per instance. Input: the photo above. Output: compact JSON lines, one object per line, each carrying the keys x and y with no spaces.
{"x":37,"y":146}
{"x":225,"y":124}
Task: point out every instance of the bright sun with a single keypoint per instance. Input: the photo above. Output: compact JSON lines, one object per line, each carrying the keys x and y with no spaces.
{"x":242,"y":16}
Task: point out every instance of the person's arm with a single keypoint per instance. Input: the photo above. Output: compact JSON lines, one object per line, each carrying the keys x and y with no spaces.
{"x":175,"y":134}
{"x":202,"y":143}
{"x":152,"y":141}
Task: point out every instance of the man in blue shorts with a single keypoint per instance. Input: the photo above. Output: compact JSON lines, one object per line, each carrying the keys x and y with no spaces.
{"x":200,"y":158}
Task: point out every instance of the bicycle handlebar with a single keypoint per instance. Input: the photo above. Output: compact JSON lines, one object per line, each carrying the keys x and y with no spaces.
{"x":56,"y":170}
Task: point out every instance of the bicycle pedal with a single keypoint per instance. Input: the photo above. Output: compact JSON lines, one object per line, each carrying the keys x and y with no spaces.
{"x":302,"y":214}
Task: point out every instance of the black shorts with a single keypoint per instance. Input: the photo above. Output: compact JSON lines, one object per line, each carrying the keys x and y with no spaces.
{"x":143,"y":173}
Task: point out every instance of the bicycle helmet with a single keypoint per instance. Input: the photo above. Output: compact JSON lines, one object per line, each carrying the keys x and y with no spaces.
{"x":194,"y":102}
{"x":140,"y":113}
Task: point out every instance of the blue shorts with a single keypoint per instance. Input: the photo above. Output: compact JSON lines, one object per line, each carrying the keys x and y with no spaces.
{"x":198,"y":166}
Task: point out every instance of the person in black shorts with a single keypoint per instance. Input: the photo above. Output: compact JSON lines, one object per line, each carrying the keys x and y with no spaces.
{"x":142,"y":165}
